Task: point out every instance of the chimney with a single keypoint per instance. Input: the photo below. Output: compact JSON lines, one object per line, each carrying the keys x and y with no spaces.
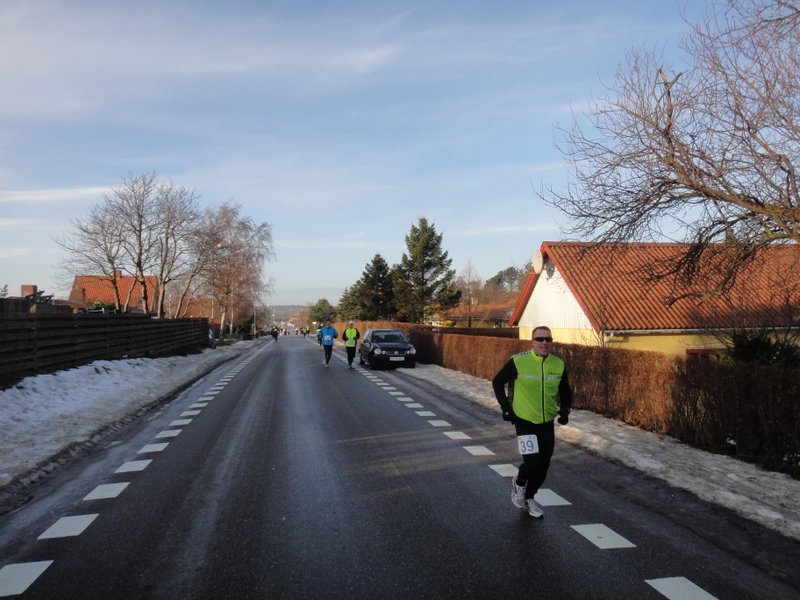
{"x":28,"y":290}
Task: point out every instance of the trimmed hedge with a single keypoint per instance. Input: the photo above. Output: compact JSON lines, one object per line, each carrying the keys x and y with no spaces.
{"x":748,"y":410}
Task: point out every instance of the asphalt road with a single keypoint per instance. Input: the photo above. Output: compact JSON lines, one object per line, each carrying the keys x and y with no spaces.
{"x":274,"y":477}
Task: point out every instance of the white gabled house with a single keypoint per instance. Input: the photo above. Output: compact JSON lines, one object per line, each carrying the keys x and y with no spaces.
{"x":603,"y":294}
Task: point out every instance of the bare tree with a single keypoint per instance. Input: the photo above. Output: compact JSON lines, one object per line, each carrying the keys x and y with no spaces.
{"x":175,"y":221}
{"x":134,"y":205}
{"x":236,"y":269}
{"x":470,"y":283}
{"x":701,"y":154}
{"x":95,"y":246}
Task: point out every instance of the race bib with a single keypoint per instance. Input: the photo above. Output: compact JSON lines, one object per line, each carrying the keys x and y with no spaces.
{"x":528,"y":444}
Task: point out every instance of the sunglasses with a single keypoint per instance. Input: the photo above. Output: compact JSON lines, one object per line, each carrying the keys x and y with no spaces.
{"x":542,"y":339}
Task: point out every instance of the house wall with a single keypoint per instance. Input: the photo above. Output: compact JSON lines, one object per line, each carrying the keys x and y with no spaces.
{"x":669,"y":343}
{"x":552,"y":304}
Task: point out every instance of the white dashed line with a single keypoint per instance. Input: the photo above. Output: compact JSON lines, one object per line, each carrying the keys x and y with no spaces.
{"x":190,"y":413}
{"x":603,"y":537}
{"x":15,"y":579}
{"x":457,"y":435}
{"x":679,"y":588}
{"x":550,"y":498}
{"x":413,"y":405}
{"x":505,"y":470}
{"x":107,"y":490}
{"x":68,"y":527}
{"x":426,"y":413}
{"x":479,"y":450}
{"x":133,"y":466}
{"x":199,"y":405}
{"x":397,"y":393}
{"x":439,"y":423}
{"x":180,"y":423}
{"x":169,"y":433}
{"x":153,"y":447}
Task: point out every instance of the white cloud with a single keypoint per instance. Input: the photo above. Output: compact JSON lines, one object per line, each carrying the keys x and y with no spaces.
{"x":6,"y":253}
{"x":52,"y":195}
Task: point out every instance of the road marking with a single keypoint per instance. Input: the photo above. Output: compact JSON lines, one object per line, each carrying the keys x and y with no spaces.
{"x":505,"y":470}
{"x":199,"y":405}
{"x":679,"y":588}
{"x":68,"y":526}
{"x":170,"y":433}
{"x":404,"y":399}
{"x":107,"y":490}
{"x":180,"y":422}
{"x":414,"y":405}
{"x":426,"y":413}
{"x":133,"y":466}
{"x":15,"y":579}
{"x":478,"y":450}
{"x":457,"y":435}
{"x":153,"y":447}
{"x":438,"y":423}
{"x":190,"y":413}
{"x":547,"y":497}
{"x":396,"y":393}
{"x":603,"y":537}
{"x":206,"y":398}
{"x":389,"y":388}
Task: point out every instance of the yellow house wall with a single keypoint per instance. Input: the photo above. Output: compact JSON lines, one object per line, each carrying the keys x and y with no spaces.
{"x":668,"y":343}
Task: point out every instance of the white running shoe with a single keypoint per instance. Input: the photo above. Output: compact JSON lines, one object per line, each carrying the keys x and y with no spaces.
{"x":534,"y":508}
{"x":517,"y":494}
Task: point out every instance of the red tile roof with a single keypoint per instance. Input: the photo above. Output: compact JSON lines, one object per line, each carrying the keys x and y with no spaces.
{"x":496,"y":311}
{"x":613,"y":286}
{"x":98,"y":289}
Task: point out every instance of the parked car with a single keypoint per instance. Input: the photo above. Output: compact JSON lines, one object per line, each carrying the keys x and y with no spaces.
{"x":386,"y":348}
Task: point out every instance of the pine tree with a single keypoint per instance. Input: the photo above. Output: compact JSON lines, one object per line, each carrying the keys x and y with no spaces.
{"x":424,"y":283}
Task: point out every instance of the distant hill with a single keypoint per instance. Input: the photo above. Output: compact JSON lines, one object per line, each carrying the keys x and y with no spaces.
{"x":284,"y":312}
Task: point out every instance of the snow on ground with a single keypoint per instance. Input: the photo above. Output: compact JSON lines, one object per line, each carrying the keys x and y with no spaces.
{"x":47,"y":415}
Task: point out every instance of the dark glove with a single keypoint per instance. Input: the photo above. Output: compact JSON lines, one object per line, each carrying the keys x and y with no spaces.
{"x":508,"y":415}
{"x":563,"y":418}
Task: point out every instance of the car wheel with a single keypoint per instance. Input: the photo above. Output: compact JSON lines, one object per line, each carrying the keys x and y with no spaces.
{"x":412,"y":364}
{"x":371,"y":359}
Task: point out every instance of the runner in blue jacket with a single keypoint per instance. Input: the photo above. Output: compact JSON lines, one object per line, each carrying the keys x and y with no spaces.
{"x":327,"y":335}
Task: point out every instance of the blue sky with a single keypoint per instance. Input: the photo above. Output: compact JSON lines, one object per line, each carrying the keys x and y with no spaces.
{"x":340,"y":123}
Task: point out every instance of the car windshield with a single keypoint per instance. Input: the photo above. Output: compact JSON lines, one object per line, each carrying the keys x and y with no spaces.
{"x":393,"y":338}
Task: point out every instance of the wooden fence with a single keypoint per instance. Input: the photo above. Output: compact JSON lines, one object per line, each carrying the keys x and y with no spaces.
{"x":33,"y":343}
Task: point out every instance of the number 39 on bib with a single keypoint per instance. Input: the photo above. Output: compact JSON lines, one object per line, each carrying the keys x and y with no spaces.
{"x":528,"y":444}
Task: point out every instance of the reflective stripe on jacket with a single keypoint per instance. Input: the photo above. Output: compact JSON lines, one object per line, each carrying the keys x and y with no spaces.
{"x":536,"y":387}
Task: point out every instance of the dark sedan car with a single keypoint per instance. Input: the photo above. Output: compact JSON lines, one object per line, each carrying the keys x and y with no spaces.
{"x":386,"y":348}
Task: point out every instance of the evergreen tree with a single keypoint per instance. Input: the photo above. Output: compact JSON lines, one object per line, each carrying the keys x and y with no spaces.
{"x":371,"y":298}
{"x":424,"y":283}
{"x":350,"y":303}
{"x":377,"y":290}
{"x":322,"y":311}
